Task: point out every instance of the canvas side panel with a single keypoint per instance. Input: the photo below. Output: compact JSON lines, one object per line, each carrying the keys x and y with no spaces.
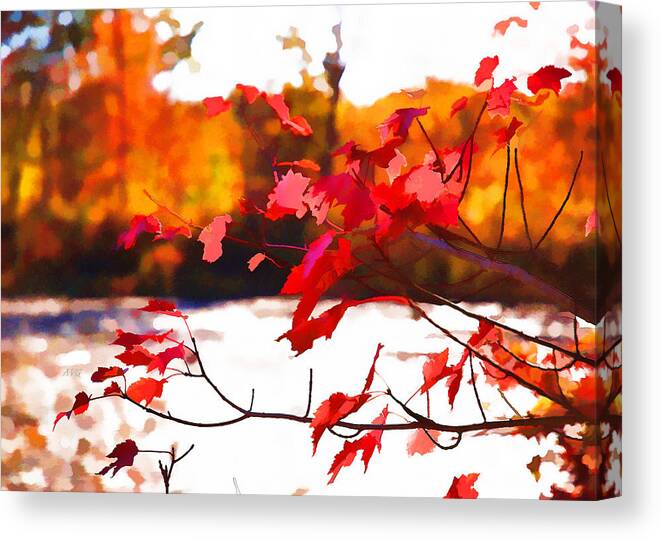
{"x":608,"y":236}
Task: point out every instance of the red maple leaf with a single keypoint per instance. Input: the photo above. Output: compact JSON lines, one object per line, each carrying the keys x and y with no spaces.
{"x":331,"y":411}
{"x":136,"y":356}
{"x":129,"y":339}
{"x":145,"y":389}
{"x":547,"y":77}
{"x":249,"y":92}
{"x":499,"y":98}
{"x":162,"y":307}
{"x":287,"y":196}
{"x":485,"y":70}
{"x":216,"y":105}
{"x":421,"y":442}
{"x":397,"y":125}
{"x":103,"y":373}
{"x":138,"y":225}
{"x":296,"y":125}
{"x":463,"y":487}
{"x":123,"y":454}
{"x":112,"y":389}
{"x":212,"y":237}
{"x":163,"y":358}
{"x":366,"y":444}
{"x":301,"y":163}
{"x":80,"y":404}
{"x":504,"y":135}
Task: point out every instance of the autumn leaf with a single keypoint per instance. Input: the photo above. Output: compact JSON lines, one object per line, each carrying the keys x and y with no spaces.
{"x":499,"y":98}
{"x":138,"y":225}
{"x":216,"y":105}
{"x":255,"y":261}
{"x":367,"y":444}
{"x":112,"y":389}
{"x":80,"y":405}
{"x":372,"y":371}
{"x":331,"y":411}
{"x":287,"y":196}
{"x":136,"y":356}
{"x":249,"y":92}
{"x":103,"y":373}
{"x":504,"y":135}
{"x":547,"y":77}
{"x":163,"y":358}
{"x":162,"y":307}
{"x":485,"y":70}
{"x":123,"y":454}
{"x":145,"y":389}
{"x":458,"y":105}
{"x":212,"y":237}
{"x":502,"y":26}
{"x":463,"y":487}
{"x":420,"y":442}
{"x":398,"y":123}
{"x":296,"y":125}
{"x":129,"y":339}
{"x":535,"y":5}
{"x":434,"y":370}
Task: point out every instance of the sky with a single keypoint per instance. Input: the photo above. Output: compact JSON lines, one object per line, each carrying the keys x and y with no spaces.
{"x":386,"y":48}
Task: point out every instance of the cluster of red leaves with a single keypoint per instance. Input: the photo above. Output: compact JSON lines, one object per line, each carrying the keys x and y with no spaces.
{"x":135,"y":355}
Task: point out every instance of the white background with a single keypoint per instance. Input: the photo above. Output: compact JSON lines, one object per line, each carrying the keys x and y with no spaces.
{"x":636,"y":515}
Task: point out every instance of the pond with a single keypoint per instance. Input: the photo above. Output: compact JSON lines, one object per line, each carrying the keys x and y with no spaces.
{"x":50,"y":347}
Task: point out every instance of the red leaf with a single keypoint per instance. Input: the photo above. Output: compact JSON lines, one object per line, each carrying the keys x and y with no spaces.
{"x":499,"y":98}
{"x":212,"y":237}
{"x":145,"y":389}
{"x":129,"y":339}
{"x":535,"y":5}
{"x":502,"y":26}
{"x":249,"y":92}
{"x":421,"y":443}
{"x":296,"y":125}
{"x":463,"y":487}
{"x":216,"y":105}
{"x":368,"y":443}
{"x":504,"y":135}
{"x":458,"y":105}
{"x":255,"y":261}
{"x":112,"y":389}
{"x":103,"y":373}
{"x":162,"y":307}
{"x":80,"y":404}
{"x":614,"y":75}
{"x":287,"y":196}
{"x":124,"y":454}
{"x":331,"y":411}
{"x":303,"y":334}
{"x":301,"y":163}
{"x":136,"y":356}
{"x":486,"y":332}
{"x":138,"y":225}
{"x":170,"y":232}
{"x":370,"y":375}
{"x":434,"y":370}
{"x":547,"y":77}
{"x":163,"y":358}
{"x":398,"y":123}
{"x":485,"y":70}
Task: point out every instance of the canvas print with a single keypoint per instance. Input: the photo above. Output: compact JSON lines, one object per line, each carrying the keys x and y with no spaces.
{"x":322,"y":250}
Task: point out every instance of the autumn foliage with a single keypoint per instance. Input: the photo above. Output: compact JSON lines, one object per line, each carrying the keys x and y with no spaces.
{"x":371,"y":205}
